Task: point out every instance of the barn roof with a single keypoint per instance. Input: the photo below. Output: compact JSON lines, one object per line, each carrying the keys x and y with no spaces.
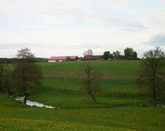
{"x":63,"y":57}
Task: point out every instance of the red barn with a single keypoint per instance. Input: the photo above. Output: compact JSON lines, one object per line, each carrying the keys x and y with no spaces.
{"x":62,"y":58}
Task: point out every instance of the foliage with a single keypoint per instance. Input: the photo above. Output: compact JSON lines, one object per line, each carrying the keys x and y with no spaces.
{"x":6,"y":78}
{"x":16,"y":60}
{"x":27,"y":73}
{"x":106,"y":55}
{"x":7,"y":83}
{"x":151,"y":74}
{"x":134,"y":55}
{"x":25,"y":54}
{"x":117,"y":54}
{"x":130,"y":53}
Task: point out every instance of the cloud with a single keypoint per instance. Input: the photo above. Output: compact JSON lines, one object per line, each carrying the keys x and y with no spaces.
{"x":162,"y":1}
{"x":56,"y":27}
{"x":153,"y":19}
{"x":41,"y":14}
{"x":157,"y":40}
{"x":116,"y":4}
{"x":46,"y":18}
{"x":12,"y":45}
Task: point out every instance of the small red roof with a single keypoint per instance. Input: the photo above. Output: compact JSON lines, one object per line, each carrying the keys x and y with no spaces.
{"x":62,"y":57}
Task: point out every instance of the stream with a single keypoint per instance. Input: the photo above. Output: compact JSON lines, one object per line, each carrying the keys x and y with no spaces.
{"x":33,"y":103}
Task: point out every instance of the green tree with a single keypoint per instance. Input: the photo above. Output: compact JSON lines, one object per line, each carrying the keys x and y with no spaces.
{"x":106,"y":55}
{"x":27,"y":74}
{"x":6,"y":78}
{"x":128,"y":52}
{"x":135,"y":55}
{"x":7,"y":83}
{"x":151,"y":73}
{"x":116,"y":54}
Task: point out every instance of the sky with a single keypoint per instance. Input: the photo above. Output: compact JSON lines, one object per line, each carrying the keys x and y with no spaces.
{"x":70,"y":27}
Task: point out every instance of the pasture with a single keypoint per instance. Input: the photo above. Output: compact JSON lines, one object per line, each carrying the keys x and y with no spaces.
{"x":120,"y":103}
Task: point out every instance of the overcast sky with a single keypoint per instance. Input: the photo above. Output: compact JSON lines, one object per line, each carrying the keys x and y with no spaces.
{"x":69,"y":27}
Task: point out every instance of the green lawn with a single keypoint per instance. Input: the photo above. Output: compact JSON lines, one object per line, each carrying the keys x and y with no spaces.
{"x":14,"y":116}
{"x":119,"y":104}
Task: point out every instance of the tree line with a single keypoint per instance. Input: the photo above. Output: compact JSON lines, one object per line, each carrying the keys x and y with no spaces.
{"x":129,"y":54}
{"x":16,"y":60}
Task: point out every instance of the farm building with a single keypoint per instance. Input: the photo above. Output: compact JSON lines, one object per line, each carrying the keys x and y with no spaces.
{"x":88,"y":55}
{"x":93,"y":57}
{"x":62,"y":58}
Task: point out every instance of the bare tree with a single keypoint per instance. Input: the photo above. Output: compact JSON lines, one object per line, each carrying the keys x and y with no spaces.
{"x":90,"y":80}
{"x":151,"y":73}
{"x":27,"y":73}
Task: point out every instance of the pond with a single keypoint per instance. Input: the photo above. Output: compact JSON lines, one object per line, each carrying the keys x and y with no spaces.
{"x":33,"y":103}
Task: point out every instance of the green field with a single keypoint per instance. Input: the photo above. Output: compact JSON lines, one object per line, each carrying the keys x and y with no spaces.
{"x":119,"y":101}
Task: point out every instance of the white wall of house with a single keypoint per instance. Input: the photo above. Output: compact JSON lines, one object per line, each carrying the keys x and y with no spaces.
{"x":51,"y":60}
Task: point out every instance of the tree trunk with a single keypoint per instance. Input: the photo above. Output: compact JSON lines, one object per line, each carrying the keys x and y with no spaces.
{"x":154,"y":87}
{"x":24,"y":93}
{"x":8,"y":91}
{"x":90,"y":91}
{"x":24,"y":100}
{"x":154,"y":97}
{"x":93,"y":97}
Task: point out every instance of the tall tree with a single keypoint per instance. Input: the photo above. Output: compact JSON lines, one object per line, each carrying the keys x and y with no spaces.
{"x":27,"y":73}
{"x":134,"y":55}
{"x":106,"y":55}
{"x":116,"y":54}
{"x":7,"y":82}
{"x":6,"y":78}
{"x":128,"y":52}
{"x":90,"y":80}
{"x":152,"y":73}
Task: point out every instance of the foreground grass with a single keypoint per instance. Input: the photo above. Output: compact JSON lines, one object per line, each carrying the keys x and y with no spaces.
{"x":14,"y":116}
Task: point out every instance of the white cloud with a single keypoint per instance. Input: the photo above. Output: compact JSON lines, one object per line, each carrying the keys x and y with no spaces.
{"x":116,"y":4}
{"x":46,"y":18}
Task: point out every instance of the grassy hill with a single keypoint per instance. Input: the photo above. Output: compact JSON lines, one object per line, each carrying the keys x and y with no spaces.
{"x":62,"y":85}
{"x":118,"y":107}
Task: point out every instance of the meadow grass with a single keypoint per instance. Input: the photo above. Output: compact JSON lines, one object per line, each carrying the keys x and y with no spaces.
{"x":63,"y":81}
{"x":14,"y":116}
{"x":118,"y":108}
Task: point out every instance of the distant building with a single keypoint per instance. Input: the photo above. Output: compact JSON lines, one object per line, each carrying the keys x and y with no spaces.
{"x":93,"y":57}
{"x":88,"y":55}
{"x":62,"y":58}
